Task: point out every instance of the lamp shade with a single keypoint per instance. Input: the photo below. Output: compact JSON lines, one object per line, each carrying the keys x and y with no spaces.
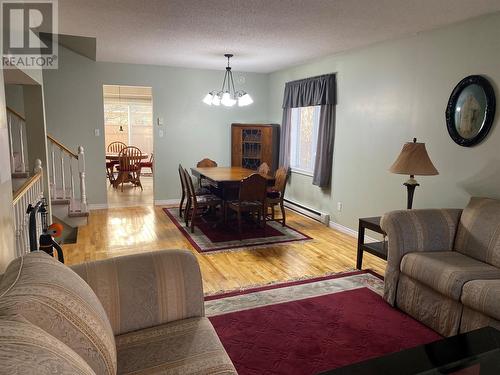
{"x":414,"y":161}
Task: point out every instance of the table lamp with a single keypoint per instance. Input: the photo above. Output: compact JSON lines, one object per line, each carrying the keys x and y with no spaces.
{"x":414,"y":161}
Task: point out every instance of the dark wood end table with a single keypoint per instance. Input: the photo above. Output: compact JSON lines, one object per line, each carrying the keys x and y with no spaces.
{"x":378,"y":249}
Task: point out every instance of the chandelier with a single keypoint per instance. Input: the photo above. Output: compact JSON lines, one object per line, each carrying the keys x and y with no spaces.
{"x":228,"y":96}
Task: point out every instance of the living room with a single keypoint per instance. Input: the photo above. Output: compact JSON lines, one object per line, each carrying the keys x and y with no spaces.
{"x":368,"y":79}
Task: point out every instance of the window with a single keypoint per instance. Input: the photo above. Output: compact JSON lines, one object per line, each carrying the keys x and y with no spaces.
{"x":304,"y":139}
{"x":128,"y":116}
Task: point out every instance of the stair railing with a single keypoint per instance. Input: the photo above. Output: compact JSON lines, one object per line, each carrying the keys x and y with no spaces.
{"x":63,"y":164}
{"x":28,"y":194}
{"x":17,"y":140}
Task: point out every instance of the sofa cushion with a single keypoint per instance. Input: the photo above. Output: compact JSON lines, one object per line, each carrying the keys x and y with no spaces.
{"x":478,"y":234}
{"x":483,"y":296}
{"x":54,"y":298}
{"x":446,"y":271}
{"x":188,"y":346}
{"x":28,"y":349}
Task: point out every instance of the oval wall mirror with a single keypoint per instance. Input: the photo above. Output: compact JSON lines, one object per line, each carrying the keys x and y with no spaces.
{"x":471,"y":111}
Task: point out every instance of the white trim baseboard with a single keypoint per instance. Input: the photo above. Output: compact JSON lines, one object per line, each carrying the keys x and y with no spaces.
{"x":164,"y":202}
{"x":349,"y":231}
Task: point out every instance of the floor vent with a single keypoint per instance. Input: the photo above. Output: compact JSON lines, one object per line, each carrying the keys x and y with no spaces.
{"x":309,"y":212}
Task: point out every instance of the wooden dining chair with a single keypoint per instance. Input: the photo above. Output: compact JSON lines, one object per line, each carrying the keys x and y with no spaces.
{"x":251,"y":198}
{"x":206,"y":163}
{"x":197,"y":204}
{"x":263,"y":169}
{"x":149,"y":164}
{"x":185,"y":191}
{"x":115,"y":148}
{"x":275,"y":195}
{"x":129,"y":168}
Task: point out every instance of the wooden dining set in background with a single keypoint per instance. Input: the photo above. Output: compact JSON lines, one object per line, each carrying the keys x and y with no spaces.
{"x":231,"y":190}
{"x":128,"y":161}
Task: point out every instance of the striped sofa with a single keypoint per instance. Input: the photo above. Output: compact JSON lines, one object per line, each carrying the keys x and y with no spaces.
{"x":138,"y":314}
{"x":443,"y":265}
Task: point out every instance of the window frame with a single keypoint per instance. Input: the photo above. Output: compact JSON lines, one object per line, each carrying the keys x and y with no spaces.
{"x":294,"y":136}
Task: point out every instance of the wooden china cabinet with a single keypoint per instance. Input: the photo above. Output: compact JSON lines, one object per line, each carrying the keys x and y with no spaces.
{"x":254,"y":144}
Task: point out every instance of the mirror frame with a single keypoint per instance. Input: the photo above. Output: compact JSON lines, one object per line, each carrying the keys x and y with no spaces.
{"x":489,"y":111}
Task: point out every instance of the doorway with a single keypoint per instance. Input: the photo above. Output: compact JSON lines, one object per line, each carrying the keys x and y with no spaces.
{"x":128,"y":122}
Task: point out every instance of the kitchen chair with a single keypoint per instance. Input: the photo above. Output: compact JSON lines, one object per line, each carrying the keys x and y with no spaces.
{"x":197,"y":204}
{"x":113,"y":148}
{"x":276,"y":194}
{"x":252,"y":199}
{"x":263,"y":169}
{"x":129,"y":169}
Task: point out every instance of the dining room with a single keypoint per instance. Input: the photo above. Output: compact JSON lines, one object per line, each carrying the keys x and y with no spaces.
{"x":128,"y":125}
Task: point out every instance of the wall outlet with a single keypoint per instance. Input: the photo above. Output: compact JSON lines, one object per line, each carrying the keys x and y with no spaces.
{"x":97,"y":132}
{"x":339,"y":206}
{"x":160,"y":133}
{"x":160,"y":121}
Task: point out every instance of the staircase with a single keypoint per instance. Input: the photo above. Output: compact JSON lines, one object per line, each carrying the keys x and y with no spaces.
{"x":67,"y":186}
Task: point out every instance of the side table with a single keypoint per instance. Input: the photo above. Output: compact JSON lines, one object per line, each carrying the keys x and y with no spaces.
{"x":378,"y":249}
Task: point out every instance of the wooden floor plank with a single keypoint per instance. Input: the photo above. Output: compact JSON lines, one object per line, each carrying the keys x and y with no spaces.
{"x":120,"y":231}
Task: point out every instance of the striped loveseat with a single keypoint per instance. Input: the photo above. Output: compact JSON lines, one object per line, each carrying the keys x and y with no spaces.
{"x":443,"y":265}
{"x":138,"y":314}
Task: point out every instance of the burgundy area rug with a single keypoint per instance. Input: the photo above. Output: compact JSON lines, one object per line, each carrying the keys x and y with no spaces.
{"x":312,"y":326}
{"x":225,"y":237}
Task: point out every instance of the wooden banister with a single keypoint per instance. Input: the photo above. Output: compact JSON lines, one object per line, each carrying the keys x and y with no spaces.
{"x":15,"y":113}
{"x":26,"y":186}
{"x":61,"y":146}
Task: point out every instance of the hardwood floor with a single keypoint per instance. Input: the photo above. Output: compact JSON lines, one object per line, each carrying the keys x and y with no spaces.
{"x":131,"y":195}
{"x":121,"y":231}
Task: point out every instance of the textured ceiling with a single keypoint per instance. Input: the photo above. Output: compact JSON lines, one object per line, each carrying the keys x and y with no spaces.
{"x":264,"y":35}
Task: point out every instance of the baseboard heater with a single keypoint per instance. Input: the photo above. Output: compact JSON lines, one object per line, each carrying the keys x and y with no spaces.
{"x":309,"y":212}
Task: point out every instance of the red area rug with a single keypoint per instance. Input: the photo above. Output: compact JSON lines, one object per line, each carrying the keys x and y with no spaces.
{"x":311,"y":335}
{"x":207,"y":238}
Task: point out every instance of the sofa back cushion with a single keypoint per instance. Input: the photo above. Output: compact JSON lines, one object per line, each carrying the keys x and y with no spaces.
{"x":54,"y":298}
{"x":28,"y":349}
{"x":478,"y":234}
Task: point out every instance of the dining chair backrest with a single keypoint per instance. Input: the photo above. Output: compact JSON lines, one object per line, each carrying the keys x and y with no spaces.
{"x":280,"y":180}
{"x":183,"y":180}
{"x":253,"y":188}
{"x":189,"y":183}
{"x":206,"y":163}
{"x":130,"y":158}
{"x":263,"y":169}
{"x":116,"y":147}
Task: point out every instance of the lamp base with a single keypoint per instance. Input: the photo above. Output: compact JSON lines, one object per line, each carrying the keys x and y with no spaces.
{"x":411,"y":184}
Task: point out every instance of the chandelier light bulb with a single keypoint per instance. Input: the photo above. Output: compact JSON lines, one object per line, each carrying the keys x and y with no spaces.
{"x":244,"y":99}
{"x":208,"y":98}
{"x":227,"y":100}
{"x":216,"y":100}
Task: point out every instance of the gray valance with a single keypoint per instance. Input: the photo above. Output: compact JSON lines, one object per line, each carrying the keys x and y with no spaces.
{"x":307,"y":92}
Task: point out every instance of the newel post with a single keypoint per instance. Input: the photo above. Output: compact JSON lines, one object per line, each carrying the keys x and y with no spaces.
{"x":81,"y":170}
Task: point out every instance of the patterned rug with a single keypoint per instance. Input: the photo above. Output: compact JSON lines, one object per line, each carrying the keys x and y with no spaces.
{"x":310,"y":326}
{"x":209,"y":238}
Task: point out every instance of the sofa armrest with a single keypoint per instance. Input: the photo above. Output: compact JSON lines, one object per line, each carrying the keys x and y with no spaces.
{"x":144,"y":290}
{"x":415,"y":230}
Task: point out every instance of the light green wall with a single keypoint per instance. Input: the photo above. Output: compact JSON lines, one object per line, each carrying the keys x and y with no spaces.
{"x":14,"y":98}
{"x":388,"y":94}
{"x":193,"y":130}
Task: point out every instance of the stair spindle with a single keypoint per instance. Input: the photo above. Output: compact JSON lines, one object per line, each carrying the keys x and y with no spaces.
{"x":63,"y":182}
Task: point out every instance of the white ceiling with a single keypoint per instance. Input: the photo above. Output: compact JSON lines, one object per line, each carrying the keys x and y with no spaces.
{"x":264,"y":35}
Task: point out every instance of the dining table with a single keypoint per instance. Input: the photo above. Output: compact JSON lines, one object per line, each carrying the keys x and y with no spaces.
{"x":115,"y":156}
{"x":225,"y":181}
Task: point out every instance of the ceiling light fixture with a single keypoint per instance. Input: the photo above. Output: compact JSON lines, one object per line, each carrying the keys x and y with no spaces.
{"x":228,"y":96}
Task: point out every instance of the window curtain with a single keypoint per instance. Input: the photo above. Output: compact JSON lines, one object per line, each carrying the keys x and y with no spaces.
{"x":320,"y":90}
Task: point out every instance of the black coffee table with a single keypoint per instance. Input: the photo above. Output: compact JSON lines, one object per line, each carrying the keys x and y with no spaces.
{"x":473,"y":353}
